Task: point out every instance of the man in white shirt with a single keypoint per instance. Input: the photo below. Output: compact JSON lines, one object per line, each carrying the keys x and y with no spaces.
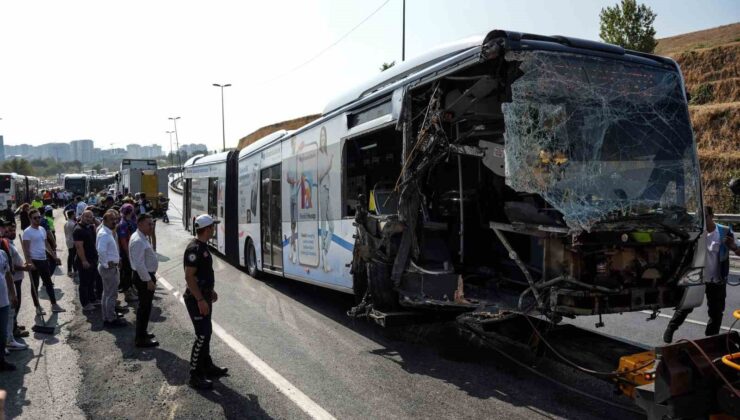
{"x":144,"y":265}
{"x":108,"y":259}
{"x":35,"y":248}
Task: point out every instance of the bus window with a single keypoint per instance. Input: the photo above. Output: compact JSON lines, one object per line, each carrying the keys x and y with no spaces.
{"x":5,"y":184}
{"x":369,"y":160}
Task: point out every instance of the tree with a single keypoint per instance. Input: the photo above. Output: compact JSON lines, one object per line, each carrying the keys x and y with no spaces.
{"x":19,"y":166}
{"x":629,"y":25}
{"x":386,"y":66}
{"x":97,"y":167}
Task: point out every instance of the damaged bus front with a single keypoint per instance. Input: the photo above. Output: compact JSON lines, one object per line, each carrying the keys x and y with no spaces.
{"x":548,"y":175}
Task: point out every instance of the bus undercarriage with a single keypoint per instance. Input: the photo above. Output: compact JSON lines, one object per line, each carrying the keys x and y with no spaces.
{"x":524,"y":188}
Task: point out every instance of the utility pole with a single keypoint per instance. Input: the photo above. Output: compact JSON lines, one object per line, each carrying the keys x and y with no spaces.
{"x":403,"y":33}
{"x":172,"y":156}
{"x":223,"y":123}
{"x":177,"y":141}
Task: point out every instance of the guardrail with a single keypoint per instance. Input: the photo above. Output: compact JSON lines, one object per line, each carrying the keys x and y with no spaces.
{"x":727,"y":218}
{"x":176,"y":185}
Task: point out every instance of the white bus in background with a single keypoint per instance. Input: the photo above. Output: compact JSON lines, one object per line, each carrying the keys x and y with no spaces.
{"x":77,"y":184}
{"x":16,"y":189}
{"x":205,"y":191}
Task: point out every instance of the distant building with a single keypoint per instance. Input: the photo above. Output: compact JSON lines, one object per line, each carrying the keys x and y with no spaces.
{"x":82,"y":150}
{"x":193,"y":148}
{"x":2,"y":148}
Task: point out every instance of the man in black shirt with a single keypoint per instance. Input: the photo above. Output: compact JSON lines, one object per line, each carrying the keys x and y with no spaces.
{"x":199,"y":298}
{"x":87,"y":259}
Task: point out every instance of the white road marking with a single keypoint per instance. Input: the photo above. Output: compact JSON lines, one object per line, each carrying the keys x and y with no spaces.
{"x":691,"y":321}
{"x":289,"y":390}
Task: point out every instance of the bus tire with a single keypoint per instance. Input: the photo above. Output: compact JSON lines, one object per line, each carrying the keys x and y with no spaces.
{"x":250,"y":258}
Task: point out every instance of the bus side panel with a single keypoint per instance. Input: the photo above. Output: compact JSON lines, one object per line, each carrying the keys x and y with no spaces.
{"x":248,"y":216}
{"x":317,"y":244}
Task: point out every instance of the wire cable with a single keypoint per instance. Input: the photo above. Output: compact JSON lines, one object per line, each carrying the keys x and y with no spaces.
{"x":333,"y":44}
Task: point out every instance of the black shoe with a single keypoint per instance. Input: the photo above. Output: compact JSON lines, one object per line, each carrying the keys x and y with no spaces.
{"x":150,"y":335}
{"x":668,"y":335}
{"x":199,"y":381}
{"x":22,"y":327}
{"x":6,"y":367}
{"x":147,"y":342}
{"x":214,"y":371}
{"x":20,"y":333}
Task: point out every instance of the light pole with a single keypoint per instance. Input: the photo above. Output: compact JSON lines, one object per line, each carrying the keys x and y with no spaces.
{"x":223,"y":123}
{"x":403,"y":33}
{"x":172,"y":156}
{"x":177,"y":141}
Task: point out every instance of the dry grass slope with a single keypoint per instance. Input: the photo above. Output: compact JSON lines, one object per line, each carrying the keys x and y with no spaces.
{"x":710,"y":64}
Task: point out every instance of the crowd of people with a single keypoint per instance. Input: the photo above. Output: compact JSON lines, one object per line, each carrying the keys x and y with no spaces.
{"x":111,"y":245}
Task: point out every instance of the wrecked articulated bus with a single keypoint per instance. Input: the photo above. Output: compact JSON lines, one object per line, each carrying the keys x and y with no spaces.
{"x":542,"y":175}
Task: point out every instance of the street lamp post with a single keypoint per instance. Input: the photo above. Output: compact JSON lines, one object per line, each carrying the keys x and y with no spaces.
{"x":177,"y":141}
{"x":223,"y":120}
{"x":172,"y":156}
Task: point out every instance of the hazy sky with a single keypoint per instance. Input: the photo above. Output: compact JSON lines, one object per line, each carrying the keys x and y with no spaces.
{"x":114,"y":71}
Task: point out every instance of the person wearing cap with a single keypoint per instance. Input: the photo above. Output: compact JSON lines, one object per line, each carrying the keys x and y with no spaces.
{"x":37,"y":249}
{"x":199,"y":298}
{"x":144,"y":265}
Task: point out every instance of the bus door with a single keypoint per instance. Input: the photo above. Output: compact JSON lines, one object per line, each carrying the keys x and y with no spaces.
{"x":213,"y":206}
{"x":270,"y":218}
{"x":186,"y":203}
{"x":220,"y":215}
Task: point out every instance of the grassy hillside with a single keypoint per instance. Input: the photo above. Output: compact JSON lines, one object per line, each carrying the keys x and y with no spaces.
{"x":710,"y":62}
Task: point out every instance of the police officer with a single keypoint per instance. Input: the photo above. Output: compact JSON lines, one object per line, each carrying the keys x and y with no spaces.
{"x":199,"y":299}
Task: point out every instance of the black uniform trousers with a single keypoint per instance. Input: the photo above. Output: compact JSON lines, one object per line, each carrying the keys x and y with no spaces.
{"x":716,"y":294}
{"x":42,"y":270}
{"x":126,"y":274}
{"x":200,"y":355}
{"x":145,"y":305}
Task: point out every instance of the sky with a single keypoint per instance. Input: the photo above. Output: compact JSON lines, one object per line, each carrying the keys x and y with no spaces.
{"x":114,"y":72}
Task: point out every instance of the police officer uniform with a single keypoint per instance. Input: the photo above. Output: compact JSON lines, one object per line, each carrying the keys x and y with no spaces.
{"x":198,"y":256}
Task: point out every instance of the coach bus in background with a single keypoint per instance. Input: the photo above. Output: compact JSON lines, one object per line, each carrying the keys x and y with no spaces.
{"x":16,"y":189}
{"x":77,"y":184}
{"x":510,"y":173}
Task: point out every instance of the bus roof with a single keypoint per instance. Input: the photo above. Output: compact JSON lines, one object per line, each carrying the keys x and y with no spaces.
{"x":263,"y":142}
{"x":192,"y":160}
{"x":75,"y":176}
{"x":208,"y":160}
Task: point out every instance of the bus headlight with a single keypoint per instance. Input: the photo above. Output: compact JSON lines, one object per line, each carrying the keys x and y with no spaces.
{"x":692,"y":277}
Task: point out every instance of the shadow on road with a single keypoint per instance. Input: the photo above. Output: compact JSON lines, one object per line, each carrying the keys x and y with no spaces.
{"x":441,"y":350}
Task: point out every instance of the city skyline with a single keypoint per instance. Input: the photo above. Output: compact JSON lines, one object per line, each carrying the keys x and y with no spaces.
{"x":85,"y":151}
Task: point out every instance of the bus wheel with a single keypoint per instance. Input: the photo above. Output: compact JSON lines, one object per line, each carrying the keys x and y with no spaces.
{"x":251,"y":260}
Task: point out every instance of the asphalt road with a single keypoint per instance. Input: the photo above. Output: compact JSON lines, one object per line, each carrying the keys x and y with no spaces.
{"x":293,"y":353}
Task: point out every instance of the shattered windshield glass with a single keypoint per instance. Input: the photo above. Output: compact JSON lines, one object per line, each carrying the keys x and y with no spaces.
{"x":601,"y":140}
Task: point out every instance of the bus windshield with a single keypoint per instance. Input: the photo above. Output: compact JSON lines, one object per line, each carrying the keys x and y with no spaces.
{"x":601,"y":140}
{"x":76,"y":186}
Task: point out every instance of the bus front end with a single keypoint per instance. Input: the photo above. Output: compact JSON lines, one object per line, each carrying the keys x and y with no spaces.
{"x":547,"y":177}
